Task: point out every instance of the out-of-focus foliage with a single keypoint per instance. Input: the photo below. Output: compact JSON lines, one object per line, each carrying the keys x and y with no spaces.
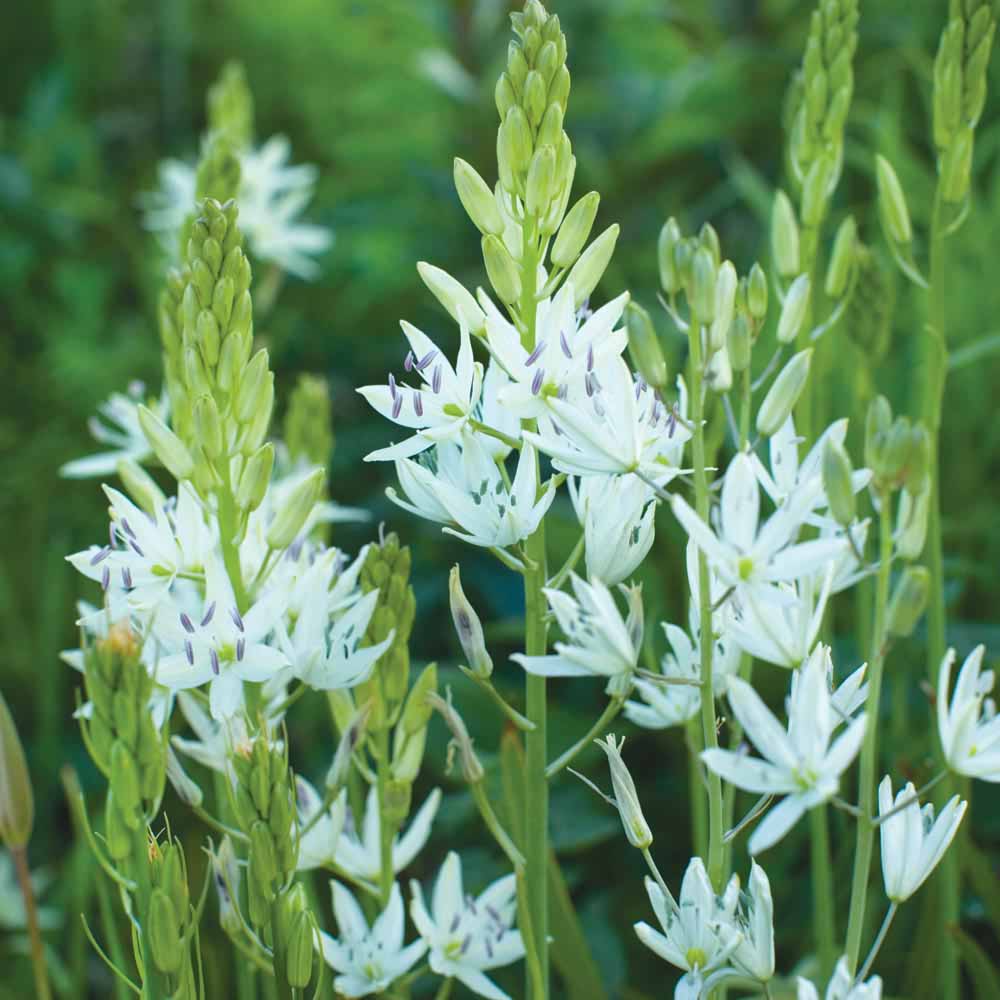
{"x":676,"y":110}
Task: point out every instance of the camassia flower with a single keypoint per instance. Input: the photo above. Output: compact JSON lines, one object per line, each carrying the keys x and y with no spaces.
{"x":968,"y":725}
{"x":368,"y":959}
{"x":799,"y":763}
{"x":912,"y":841}
{"x":842,"y":986}
{"x":599,"y":642}
{"x":440,"y":409}
{"x":466,"y":936}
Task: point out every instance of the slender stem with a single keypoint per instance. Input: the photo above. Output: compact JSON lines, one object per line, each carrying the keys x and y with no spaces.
{"x":697,"y":801}
{"x":536,"y":793}
{"x":31,"y":912}
{"x":507,"y":710}
{"x":710,"y":737}
{"x":869,"y":750}
{"x":386,"y":829}
{"x":729,"y":792}
{"x":493,"y":824}
{"x":822,"y":889}
{"x":879,"y":939}
{"x":804,"y":422}
{"x":745,"y":403}
{"x":445,"y":991}
{"x":651,"y":864}
{"x":611,"y":710}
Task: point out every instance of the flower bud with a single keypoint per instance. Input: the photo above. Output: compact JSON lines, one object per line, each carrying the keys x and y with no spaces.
{"x":626,"y":798}
{"x":670,"y":236}
{"x":575,"y":230}
{"x":701,"y":293}
{"x":911,"y":523}
{"x":208,"y":426}
{"x":551,"y":129}
{"x":842,"y":258}
{"x":291,"y":518}
{"x":187,"y":791}
{"x":168,"y":447}
{"x":255,"y":478}
{"x":534,"y":99}
{"x":117,"y":834}
{"x":514,"y":145}
{"x":909,"y":600}
{"x":460,"y":305}
{"x":739,"y":344}
{"x":784,"y":236}
{"x":539,"y":185}
{"x":725,"y":304}
{"x":593,"y":262}
{"x":251,"y":389}
{"x":719,"y":371}
{"x":504,"y":275}
{"x":956,"y":167}
{"x":892,"y":202}
{"x":140,"y":485}
{"x":17,"y":803}
{"x":164,"y":932}
{"x":784,"y":393}
{"x":468,"y":627}
{"x":794,"y":309}
{"x":837,"y":482}
{"x":417,"y":710}
{"x":477,"y":199}
{"x":757,"y":293}
{"x":644,"y":346}
{"x":504,"y":95}
{"x":709,"y":239}
{"x":816,"y":190}
{"x":461,"y":742}
{"x":299,"y":954}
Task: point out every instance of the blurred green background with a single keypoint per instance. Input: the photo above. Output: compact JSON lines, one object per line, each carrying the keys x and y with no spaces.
{"x":675,"y":109}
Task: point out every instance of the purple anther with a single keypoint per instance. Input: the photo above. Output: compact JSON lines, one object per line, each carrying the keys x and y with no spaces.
{"x":494,"y":914}
{"x":214,"y":657}
{"x":126,"y":578}
{"x":454,"y":924}
{"x":393,"y":391}
{"x":418,"y":404}
{"x":536,"y":382}
{"x":128,"y":528}
{"x":590,"y":358}
{"x":186,"y":622}
{"x":138,"y":551}
{"x":588,"y":383}
{"x":436,"y":379}
{"x":465,"y":944}
{"x":112,"y":537}
{"x":189,"y":651}
{"x":106,"y":578}
{"x":489,"y":947}
{"x":209,"y":612}
{"x":409,"y":361}
{"x":397,"y":405}
{"x":563,"y":390}
{"x":598,"y":408}
{"x":237,"y":618}
{"x":535,"y":354}
{"x":564,"y":344}
{"x":100,"y":555}
{"x":241,"y":648}
{"x":426,"y":360}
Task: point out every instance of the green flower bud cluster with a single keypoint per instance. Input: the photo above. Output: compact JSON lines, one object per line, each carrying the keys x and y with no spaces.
{"x":870,"y":306}
{"x":387,"y":569}
{"x":171,"y":920}
{"x":818,"y":102}
{"x":229,"y":104}
{"x":534,"y":154}
{"x":264,"y":806}
{"x":960,"y":90}
{"x":121,"y":735}
{"x":308,"y":427}
{"x":897,"y":451}
{"x":296,"y":933}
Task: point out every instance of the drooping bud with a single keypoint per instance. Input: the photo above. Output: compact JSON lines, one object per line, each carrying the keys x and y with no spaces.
{"x":784,"y":236}
{"x":837,"y":482}
{"x":784,"y":393}
{"x":909,"y":600}
{"x":892,"y":202}
{"x":644,"y":346}
{"x":17,"y":803}
{"x":477,"y":199}
{"x":626,"y":798}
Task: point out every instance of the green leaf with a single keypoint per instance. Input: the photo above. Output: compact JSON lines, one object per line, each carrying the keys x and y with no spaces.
{"x":983,"y":347}
{"x":982,"y":972}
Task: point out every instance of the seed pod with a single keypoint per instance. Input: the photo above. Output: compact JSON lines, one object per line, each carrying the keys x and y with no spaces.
{"x":784,"y":394}
{"x":125,"y":784}
{"x":299,"y":955}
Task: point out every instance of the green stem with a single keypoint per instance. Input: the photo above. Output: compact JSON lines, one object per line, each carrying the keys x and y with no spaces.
{"x":697,"y":802}
{"x":610,"y":712}
{"x":879,"y":940}
{"x":34,"y":933}
{"x":445,"y":991}
{"x":710,"y":737}
{"x":746,"y":395}
{"x":386,"y":830}
{"x":804,"y":419}
{"x":729,"y":792}
{"x":536,"y":793}
{"x":869,"y":750}
{"x":822,"y":888}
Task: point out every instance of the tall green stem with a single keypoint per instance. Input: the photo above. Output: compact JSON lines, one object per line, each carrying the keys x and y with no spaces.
{"x":710,"y":738}
{"x":869,"y":750}
{"x":804,"y":415}
{"x":42,"y":990}
{"x":386,"y":831}
{"x":536,"y":792}
{"x":822,"y":888}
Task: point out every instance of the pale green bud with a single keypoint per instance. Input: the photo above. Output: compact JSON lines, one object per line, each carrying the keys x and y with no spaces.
{"x":514,"y":145}
{"x":125,"y":783}
{"x":233,"y":356}
{"x":975,"y":75}
{"x":140,"y":485}
{"x":575,"y":230}
{"x":911,"y":523}
{"x":701,"y":294}
{"x":837,"y":483}
{"x":504,"y":95}
{"x":250,"y":391}
{"x":541,"y":174}
{"x":784,"y":393}
{"x":547,"y":61}
{"x":897,"y":452}
{"x":644,"y":346}
{"x":739,"y":343}
{"x":836,"y":115}
{"x":477,"y":199}
{"x":816,"y":190}
{"x":892,"y":202}
{"x":417,"y":711}
{"x":784,"y":236}
{"x":794,"y":309}
{"x":726,"y":283}
{"x":709,"y":239}
{"x":757,"y":293}
{"x":842,"y":258}
{"x":164,"y":933}
{"x":559,"y":88}
{"x":255,"y":477}
{"x":208,"y":426}
{"x":468,"y":627}
{"x":408,"y":754}
{"x":17,"y":803}
{"x":909,"y":600}
{"x":593,"y":262}
{"x":551,"y":129}
{"x":535,"y":97}
{"x":956,"y":167}
{"x":504,"y":274}
{"x":670,"y":237}
{"x":291,"y":518}
{"x":167,"y":446}
{"x":517,"y":66}
{"x":626,"y":798}
{"x":460,"y":305}
{"x":719,"y":371}
{"x":299,"y":954}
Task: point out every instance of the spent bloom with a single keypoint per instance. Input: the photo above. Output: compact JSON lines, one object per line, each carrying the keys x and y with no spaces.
{"x":800,"y":762}
{"x":599,"y":641}
{"x":368,"y":959}
{"x":912,"y":841}
{"x":968,"y":726}
{"x":698,"y":934}
{"x":754,"y":955}
{"x":467,"y":937}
